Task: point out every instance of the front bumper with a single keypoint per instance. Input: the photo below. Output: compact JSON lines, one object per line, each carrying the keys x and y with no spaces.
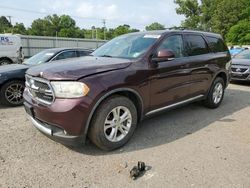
{"x":56,"y":133}
{"x":240,"y":73}
{"x":63,"y":121}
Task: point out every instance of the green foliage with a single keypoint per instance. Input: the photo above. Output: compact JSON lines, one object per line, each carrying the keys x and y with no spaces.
{"x":217,"y":16}
{"x":155,"y":26}
{"x":192,"y":10}
{"x":240,"y":33}
{"x":19,"y":28}
{"x":227,"y":14}
{"x":54,"y":25}
{"x":65,"y":26}
{"x":4,"y":24}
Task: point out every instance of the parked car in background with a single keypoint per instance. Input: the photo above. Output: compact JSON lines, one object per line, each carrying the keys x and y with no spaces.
{"x":241,"y":67}
{"x":128,"y":78}
{"x":12,"y":77}
{"x":10,"y":49}
{"x":235,"y":50}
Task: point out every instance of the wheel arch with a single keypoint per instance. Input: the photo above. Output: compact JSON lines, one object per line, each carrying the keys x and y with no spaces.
{"x":133,"y":95}
{"x":223,"y":75}
{"x":6,"y":58}
{"x":10,"y":80}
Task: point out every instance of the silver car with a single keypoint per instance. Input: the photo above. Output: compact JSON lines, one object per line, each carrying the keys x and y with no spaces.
{"x":241,"y":66}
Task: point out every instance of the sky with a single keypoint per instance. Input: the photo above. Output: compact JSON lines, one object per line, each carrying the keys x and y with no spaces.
{"x":88,"y":13}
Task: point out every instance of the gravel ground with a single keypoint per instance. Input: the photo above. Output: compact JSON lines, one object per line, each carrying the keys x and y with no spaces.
{"x":186,"y":147}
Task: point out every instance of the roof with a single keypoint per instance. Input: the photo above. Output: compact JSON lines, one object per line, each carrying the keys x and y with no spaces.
{"x":62,"y":49}
{"x":161,"y":32}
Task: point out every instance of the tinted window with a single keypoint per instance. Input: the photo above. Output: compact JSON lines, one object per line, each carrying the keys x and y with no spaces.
{"x":196,"y":45}
{"x":173,"y":43}
{"x":66,"y":55}
{"x":83,"y":53}
{"x":216,"y":44}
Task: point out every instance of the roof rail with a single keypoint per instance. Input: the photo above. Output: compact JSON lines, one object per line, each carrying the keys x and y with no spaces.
{"x":176,"y":28}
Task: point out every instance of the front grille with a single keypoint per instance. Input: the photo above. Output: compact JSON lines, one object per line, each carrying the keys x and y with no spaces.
{"x":39,"y":89}
{"x":239,"y":70}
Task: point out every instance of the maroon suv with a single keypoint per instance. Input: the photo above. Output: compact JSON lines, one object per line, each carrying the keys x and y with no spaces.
{"x":104,"y":96}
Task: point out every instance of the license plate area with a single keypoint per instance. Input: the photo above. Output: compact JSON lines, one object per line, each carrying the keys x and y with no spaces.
{"x":29,"y":109}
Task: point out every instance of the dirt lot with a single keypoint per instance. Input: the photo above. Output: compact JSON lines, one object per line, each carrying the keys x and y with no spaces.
{"x":187,"y":147}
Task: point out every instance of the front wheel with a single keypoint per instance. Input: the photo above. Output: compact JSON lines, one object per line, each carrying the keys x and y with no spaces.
{"x":11,"y":93}
{"x":113,"y":123}
{"x":216,"y":93}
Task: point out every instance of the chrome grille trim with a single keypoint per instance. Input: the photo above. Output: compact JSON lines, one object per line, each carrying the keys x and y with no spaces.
{"x":36,"y":91}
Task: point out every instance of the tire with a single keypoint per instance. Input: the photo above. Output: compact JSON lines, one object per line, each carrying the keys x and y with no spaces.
{"x":11,"y":93}
{"x":105,"y":114}
{"x":5,"y":62}
{"x":210,"y":101}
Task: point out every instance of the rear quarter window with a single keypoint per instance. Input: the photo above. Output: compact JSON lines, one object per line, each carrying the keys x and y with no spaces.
{"x":196,"y":45}
{"x":216,"y":44}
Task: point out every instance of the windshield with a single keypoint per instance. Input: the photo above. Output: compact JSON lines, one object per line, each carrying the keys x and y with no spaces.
{"x":39,"y":58}
{"x":243,"y":55}
{"x":127,"y":46}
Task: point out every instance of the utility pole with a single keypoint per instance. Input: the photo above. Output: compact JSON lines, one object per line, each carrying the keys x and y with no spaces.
{"x":9,"y":19}
{"x":104,"y":28}
{"x":93,"y":28}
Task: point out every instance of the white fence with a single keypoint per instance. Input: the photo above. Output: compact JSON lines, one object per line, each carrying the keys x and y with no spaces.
{"x":34,"y":44}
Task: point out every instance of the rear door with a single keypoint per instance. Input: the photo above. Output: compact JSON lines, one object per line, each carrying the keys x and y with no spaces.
{"x":200,"y":61}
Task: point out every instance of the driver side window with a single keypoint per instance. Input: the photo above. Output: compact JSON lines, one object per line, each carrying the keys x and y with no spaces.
{"x":173,"y":43}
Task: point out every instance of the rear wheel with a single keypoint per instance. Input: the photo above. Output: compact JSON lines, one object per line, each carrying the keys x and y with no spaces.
{"x":12,"y":93}
{"x":216,"y":93}
{"x":113,"y":123}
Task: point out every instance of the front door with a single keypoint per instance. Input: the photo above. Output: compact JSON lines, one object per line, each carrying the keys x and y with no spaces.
{"x":170,"y":79}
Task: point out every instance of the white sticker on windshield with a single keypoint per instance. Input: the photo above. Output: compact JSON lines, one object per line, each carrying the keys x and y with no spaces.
{"x":152,"y":36}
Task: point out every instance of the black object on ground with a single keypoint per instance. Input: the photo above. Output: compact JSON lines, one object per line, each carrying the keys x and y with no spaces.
{"x":138,"y":170}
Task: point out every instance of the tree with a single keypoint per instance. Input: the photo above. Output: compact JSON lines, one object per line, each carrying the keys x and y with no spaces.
{"x":54,"y":25}
{"x":4,"y":24}
{"x":213,"y":15}
{"x":240,"y":33}
{"x":19,"y":28}
{"x":227,"y":14}
{"x":192,"y":11}
{"x":155,"y":26}
{"x":40,"y":27}
{"x":123,"y":29}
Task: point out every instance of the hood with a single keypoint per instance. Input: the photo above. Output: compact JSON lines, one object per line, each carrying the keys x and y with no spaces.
{"x":12,"y":68}
{"x":241,"y":62}
{"x":74,"y":69}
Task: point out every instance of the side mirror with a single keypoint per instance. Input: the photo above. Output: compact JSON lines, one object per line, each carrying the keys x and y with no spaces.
{"x":164,"y":55}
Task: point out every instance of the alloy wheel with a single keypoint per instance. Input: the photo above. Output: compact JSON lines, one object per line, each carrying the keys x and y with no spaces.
{"x":117,"y":123}
{"x":14,"y":93}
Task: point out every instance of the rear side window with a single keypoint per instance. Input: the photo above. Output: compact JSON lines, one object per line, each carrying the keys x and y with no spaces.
{"x":83,"y":53}
{"x":216,"y":44}
{"x":196,"y":45}
{"x":66,"y":55}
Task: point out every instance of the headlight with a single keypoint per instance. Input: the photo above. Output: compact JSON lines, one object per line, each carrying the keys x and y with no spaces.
{"x":70,"y":89}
